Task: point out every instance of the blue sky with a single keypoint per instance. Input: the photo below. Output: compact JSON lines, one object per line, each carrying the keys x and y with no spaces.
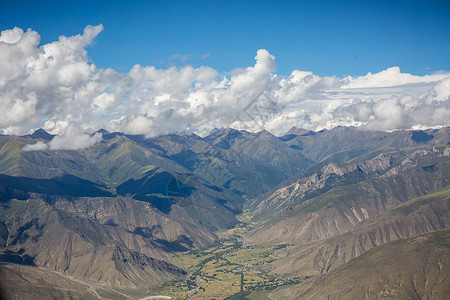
{"x":325,"y":37}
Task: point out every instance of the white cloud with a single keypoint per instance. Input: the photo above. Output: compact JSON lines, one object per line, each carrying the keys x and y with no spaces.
{"x":72,"y":138}
{"x":441,"y":91}
{"x":56,"y":87}
{"x":206,"y":55}
{"x":179,"y":57}
{"x":11,"y":36}
{"x":39,"y":146}
{"x":102,"y":102}
{"x":16,"y":109}
{"x":389,"y":77}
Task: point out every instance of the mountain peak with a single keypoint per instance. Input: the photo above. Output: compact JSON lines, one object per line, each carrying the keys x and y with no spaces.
{"x":265,"y":134}
{"x":298,"y":131}
{"x":103,"y":131}
{"x":41,"y":134}
{"x":222,"y":133}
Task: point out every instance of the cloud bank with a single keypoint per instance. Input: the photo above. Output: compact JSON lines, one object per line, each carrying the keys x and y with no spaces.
{"x":55,"y":86}
{"x":71,"y":139}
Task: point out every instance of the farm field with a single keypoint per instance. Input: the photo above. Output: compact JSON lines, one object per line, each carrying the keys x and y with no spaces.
{"x":226,"y":270}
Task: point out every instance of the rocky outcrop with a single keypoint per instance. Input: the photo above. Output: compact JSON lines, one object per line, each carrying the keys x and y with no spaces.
{"x":83,"y":247}
{"x":420,"y":215}
{"x":342,"y":207}
{"x":298,"y":189}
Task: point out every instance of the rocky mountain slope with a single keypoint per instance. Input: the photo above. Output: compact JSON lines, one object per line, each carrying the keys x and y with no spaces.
{"x":412,"y":268}
{"x":419,"y":215}
{"x":41,"y":235}
{"x":341,"y":208}
{"x":310,"y":184}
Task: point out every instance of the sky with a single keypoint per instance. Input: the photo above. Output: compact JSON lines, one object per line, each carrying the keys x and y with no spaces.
{"x":160,"y":67}
{"x":326,"y":37}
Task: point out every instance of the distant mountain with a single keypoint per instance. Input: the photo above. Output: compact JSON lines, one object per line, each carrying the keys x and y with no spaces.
{"x":40,"y":134}
{"x":180,"y":193}
{"x":248,"y":163}
{"x":309,"y":184}
{"x":294,"y":131}
{"x":43,"y":164}
{"x":346,"y":143}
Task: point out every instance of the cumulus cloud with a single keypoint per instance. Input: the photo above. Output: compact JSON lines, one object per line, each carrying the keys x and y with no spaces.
{"x":441,"y":91}
{"x":71,"y":139}
{"x":36,"y":83}
{"x":55,"y":86}
{"x":389,"y":77}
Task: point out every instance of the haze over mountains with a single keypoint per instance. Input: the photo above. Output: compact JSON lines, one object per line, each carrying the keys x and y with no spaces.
{"x":337,"y":202}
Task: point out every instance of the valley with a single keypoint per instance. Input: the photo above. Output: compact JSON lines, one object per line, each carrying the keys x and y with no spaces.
{"x":231,"y":215}
{"x":229,"y":269}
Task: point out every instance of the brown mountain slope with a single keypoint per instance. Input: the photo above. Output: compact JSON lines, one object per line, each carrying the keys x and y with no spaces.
{"x":305,"y":186}
{"x":139,"y":218}
{"x":420,"y":215}
{"x":30,"y":283}
{"x":342,"y":207}
{"x":345,"y":143}
{"x":40,"y":235}
{"x":413,"y":268}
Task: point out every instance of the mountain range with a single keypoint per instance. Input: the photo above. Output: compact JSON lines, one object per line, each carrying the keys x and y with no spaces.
{"x":339,"y":205}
